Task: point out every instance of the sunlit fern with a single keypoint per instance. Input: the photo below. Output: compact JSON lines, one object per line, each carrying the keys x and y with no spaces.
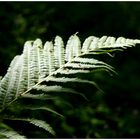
{"x":42,"y":69}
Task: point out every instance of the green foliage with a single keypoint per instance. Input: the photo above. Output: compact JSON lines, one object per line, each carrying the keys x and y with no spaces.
{"x":21,"y":21}
{"x":7,"y":132}
{"x":50,"y":69}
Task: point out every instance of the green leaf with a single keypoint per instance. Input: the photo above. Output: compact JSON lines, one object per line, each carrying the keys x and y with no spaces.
{"x":39,"y":123}
{"x":39,"y":63}
{"x":7,"y":132}
{"x":11,"y":134}
{"x":45,"y":109}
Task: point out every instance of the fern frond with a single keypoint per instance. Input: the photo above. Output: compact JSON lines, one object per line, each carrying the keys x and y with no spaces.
{"x":40,"y":64}
{"x":85,"y":66}
{"x":39,"y":123}
{"x":56,"y":89}
{"x":49,"y":57}
{"x":106,"y":44}
{"x":73,"y":48}
{"x":8,"y":83}
{"x":90,"y":41}
{"x":11,"y":134}
{"x":59,"y":52}
{"x":72,"y":71}
{"x":45,"y":109}
{"x":7,"y":132}
{"x":37,"y":96}
{"x":65,"y":79}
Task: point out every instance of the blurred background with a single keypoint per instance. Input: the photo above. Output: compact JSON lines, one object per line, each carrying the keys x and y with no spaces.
{"x":115,"y":114}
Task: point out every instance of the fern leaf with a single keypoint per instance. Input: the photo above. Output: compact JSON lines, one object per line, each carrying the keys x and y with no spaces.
{"x":39,"y":64}
{"x":38,"y":96}
{"x":56,"y":89}
{"x":86,"y":66}
{"x":73,"y":48}
{"x":7,"y":132}
{"x":44,"y":108}
{"x":29,"y":64}
{"x":8,"y":83}
{"x":41,"y":124}
{"x":37,"y":46}
{"x":21,"y":84}
{"x":111,"y":42}
{"x":72,"y":71}
{"x":102,"y":40}
{"x":49,"y":57}
{"x":135,"y":41}
{"x":59,"y":52}
{"x":93,"y":43}
{"x":65,"y":79}
{"x":86,"y":44}
{"x":11,"y":134}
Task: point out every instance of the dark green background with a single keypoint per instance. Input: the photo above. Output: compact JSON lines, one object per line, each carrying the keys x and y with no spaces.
{"x":115,"y":114}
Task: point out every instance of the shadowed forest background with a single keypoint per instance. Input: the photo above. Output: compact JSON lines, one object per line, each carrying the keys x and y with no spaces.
{"x":116,"y":113}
